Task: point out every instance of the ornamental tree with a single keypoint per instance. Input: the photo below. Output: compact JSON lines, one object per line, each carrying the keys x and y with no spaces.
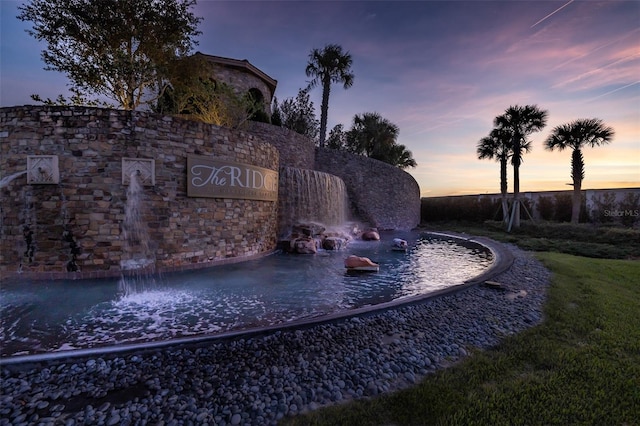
{"x":118,"y":49}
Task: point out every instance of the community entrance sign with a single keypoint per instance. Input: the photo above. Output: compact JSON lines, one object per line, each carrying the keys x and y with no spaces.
{"x":212,"y":178}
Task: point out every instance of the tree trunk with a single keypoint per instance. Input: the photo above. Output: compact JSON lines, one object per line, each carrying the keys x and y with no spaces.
{"x":516,"y":198}
{"x":503,"y":190}
{"x":324,"y":110}
{"x":576,"y":202}
{"x":577,"y":174}
{"x":516,"y":187}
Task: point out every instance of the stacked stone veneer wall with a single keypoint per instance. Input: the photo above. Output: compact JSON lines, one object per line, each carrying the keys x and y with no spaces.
{"x":381,"y":195}
{"x":76,"y":224}
{"x":243,"y":81}
{"x":295,"y":150}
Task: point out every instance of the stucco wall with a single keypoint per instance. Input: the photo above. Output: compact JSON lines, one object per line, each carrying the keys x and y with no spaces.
{"x":382,"y":195}
{"x":620,"y":205}
{"x":85,"y":210}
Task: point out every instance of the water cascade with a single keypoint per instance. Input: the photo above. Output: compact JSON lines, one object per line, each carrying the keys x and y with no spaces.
{"x":312,"y":196}
{"x":138,"y":262}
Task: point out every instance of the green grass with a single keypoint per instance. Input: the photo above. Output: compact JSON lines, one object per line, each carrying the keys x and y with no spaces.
{"x":602,"y":242}
{"x":580,"y":366}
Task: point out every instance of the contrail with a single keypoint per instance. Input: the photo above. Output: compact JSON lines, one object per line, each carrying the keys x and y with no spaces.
{"x":553,"y":13}
{"x":613,"y":91}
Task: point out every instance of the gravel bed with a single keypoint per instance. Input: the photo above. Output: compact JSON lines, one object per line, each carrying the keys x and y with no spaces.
{"x":261,"y":379}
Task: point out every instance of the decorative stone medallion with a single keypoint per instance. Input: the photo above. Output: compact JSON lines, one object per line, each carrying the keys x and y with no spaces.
{"x":144,"y":168}
{"x":43,"y":170}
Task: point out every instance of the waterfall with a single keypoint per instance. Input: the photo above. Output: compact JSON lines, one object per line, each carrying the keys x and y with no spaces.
{"x":311,"y":196}
{"x":138,"y":259}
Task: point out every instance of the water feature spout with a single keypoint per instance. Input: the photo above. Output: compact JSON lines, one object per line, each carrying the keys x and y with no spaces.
{"x":5,"y":181}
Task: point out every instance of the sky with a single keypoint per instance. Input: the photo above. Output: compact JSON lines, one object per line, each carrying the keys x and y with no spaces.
{"x":440,"y":70}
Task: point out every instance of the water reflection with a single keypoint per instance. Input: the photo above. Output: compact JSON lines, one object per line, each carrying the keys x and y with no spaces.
{"x":53,"y":316}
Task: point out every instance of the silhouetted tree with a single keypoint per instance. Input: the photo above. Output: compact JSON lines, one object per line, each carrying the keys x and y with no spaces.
{"x":520,"y":122}
{"x":575,"y":135}
{"x":498,"y":145}
{"x":375,"y":137}
{"x":326,"y":66}
{"x":276,"y":117}
{"x":299,"y":114}
{"x":337,"y":138}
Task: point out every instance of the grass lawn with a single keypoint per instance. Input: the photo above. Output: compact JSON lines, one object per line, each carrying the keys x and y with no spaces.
{"x":580,"y":366}
{"x":604,"y":242}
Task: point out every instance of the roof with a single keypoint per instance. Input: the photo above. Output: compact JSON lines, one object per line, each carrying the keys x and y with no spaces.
{"x":245,"y":65}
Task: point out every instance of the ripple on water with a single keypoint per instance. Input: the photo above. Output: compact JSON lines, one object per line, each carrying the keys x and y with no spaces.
{"x":271,"y":291}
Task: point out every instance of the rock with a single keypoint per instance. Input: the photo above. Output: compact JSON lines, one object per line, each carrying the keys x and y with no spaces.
{"x":358,"y":262}
{"x":493,"y":284}
{"x":399,"y":244}
{"x":371,"y":235}
{"x":305,"y":246}
{"x":308,"y":229}
{"x":334,"y":243}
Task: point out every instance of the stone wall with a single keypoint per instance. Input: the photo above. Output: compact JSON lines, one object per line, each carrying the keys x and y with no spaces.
{"x":76,"y":224}
{"x":381,"y":195}
{"x":243,"y":81}
{"x":295,"y":149}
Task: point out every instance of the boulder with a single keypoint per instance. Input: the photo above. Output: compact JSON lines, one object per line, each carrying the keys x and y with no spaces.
{"x":310,"y":229}
{"x":334,"y":243}
{"x":305,"y":246}
{"x":399,"y":244}
{"x":371,"y":235}
{"x":359,"y":262}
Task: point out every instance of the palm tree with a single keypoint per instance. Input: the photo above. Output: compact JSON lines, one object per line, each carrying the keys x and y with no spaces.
{"x":575,"y":135}
{"x":375,"y":136}
{"x":498,"y":145}
{"x":370,"y":134}
{"x":398,"y":155}
{"x":520,"y":121}
{"x":326,"y":66}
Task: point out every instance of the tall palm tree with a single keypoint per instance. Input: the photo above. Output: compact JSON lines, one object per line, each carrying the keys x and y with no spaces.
{"x":576,"y":135}
{"x":520,"y":121}
{"x":498,"y":145}
{"x":326,"y":66}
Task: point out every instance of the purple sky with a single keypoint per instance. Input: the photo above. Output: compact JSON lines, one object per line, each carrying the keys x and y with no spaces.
{"x":441,"y":71}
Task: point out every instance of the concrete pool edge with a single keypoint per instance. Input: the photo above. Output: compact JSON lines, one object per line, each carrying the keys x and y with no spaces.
{"x":503,"y":260}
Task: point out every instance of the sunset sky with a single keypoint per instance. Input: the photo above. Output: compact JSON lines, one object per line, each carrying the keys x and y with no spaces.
{"x":440,"y":70}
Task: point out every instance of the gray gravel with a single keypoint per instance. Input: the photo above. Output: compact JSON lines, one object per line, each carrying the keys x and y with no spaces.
{"x":261,"y":379}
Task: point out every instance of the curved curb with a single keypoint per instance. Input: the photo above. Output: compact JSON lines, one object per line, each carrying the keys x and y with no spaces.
{"x":503,"y":260}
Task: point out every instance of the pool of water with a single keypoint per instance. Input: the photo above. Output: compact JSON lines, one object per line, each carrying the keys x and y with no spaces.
{"x":43,"y":317}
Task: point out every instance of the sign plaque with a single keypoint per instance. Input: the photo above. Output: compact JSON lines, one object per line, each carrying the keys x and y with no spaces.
{"x":210,"y":178}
